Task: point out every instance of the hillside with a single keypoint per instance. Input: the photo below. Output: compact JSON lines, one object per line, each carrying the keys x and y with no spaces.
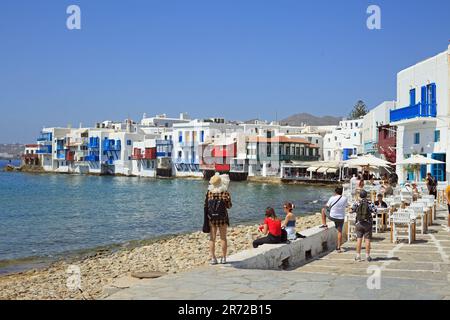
{"x":309,"y":119}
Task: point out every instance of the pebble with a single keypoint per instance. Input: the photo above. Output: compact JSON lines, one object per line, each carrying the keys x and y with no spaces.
{"x":174,"y":255}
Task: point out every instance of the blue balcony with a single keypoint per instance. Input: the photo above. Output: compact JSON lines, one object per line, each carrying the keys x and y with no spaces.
{"x":111,"y":145}
{"x":93,"y":143}
{"x":164,"y":142}
{"x":44,"y":150}
{"x":419,"y":110}
{"x":92,"y":158}
{"x":45,"y":137}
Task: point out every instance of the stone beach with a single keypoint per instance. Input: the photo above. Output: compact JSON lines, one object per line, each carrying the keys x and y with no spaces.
{"x":171,"y":255}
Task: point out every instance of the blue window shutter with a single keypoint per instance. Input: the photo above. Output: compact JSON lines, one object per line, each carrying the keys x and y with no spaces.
{"x":412,"y":97}
{"x":423,"y":102}
{"x":433,"y":109}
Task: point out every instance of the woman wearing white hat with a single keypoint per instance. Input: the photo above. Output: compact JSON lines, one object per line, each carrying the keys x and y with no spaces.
{"x":217,"y":203}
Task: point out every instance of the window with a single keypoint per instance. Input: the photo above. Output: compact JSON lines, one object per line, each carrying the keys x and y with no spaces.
{"x":180,"y":154}
{"x":416,"y":138}
{"x":180,"y":136}
{"x":437,"y":136}
{"x":202,"y":136}
{"x":412,"y":97}
{"x":128,"y":142}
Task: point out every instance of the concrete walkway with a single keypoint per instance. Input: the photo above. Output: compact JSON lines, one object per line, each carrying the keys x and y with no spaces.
{"x":399,"y":271}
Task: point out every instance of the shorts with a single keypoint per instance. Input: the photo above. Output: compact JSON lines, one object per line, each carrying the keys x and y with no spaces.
{"x":339,"y":223}
{"x":364,"y":229}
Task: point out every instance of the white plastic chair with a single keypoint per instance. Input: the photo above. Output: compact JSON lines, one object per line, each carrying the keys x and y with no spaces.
{"x":419,"y":209}
{"x":402,"y":221}
{"x":429,"y":203}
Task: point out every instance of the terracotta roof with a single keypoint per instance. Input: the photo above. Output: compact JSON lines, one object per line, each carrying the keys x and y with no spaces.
{"x":31,"y":145}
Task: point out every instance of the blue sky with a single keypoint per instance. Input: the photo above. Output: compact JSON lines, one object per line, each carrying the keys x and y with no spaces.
{"x":239,"y":59}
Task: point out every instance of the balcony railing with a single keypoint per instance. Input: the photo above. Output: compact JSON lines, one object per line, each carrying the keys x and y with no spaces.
{"x":45,"y":136}
{"x":92,"y":158}
{"x":298,"y":158}
{"x":111,"y":145}
{"x":44,"y":150}
{"x":419,"y":110}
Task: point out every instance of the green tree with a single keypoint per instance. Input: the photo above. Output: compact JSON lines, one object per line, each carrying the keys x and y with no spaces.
{"x":359,"y":110}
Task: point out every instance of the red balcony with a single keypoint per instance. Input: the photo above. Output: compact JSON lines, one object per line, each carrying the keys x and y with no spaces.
{"x":70,"y":156}
{"x":150,"y":153}
{"x":137,"y":155}
{"x":224,"y":151}
{"x":222,"y":167}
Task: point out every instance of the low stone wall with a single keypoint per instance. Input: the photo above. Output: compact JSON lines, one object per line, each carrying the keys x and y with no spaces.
{"x":287,"y":256}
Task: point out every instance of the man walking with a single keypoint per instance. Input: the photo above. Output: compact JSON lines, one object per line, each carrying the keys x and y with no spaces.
{"x":364,"y":224}
{"x":336,"y":206}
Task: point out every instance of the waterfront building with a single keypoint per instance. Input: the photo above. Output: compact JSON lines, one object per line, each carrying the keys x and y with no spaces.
{"x":266,"y":155}
{"x":51,"y":148}
{"x":344,"y":141}
{"x":143,"y":159}
{"x":387,"y":142}
{"x":163,"y":121}
{"x":422,"y":115}
{"x":375,"y":118}
{"x":187,"y":141}
{"x":30,"y":156}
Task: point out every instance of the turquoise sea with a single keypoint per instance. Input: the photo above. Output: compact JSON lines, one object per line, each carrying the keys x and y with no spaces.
{"x":48,"y":216}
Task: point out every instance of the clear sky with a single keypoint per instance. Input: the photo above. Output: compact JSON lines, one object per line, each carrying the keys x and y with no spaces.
{"x":238,"y":59}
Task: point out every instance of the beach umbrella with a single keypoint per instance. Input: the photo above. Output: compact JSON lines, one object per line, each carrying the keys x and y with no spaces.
{"x":417,"y":160}
{"x":367,"y":161}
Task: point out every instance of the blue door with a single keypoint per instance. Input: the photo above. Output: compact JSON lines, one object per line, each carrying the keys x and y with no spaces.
{"x":438,"y":170}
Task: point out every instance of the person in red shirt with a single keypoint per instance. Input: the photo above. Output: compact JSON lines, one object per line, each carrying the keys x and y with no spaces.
{"x":271,"y":228}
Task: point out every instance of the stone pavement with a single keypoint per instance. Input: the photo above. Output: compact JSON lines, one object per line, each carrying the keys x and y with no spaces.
{"x":399,"y":271}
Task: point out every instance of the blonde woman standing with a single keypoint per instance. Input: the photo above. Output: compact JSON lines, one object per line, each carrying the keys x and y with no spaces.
{"x":217,"y":203}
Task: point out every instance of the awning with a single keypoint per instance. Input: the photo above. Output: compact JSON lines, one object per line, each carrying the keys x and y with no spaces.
{"x":332,"y":170}
{"x":322,"y":170}
{"x":313,"y":169}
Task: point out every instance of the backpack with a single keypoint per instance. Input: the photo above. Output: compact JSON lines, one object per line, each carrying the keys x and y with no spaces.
{"x":363,"y":212}
{"x":216,"y":209}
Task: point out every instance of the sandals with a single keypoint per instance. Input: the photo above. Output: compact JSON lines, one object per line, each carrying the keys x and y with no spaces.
{"x":324,"y":226}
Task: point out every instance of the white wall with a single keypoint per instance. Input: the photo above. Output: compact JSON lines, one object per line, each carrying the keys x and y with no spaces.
{"x":432,"y":70}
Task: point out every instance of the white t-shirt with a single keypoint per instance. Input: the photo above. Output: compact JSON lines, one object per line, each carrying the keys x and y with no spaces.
{"x":338,"y":210}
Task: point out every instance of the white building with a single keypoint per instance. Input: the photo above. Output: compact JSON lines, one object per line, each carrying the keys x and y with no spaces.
{"x":163,"y":121}
{"x":376,"y":117}
{"x":422,"y":114}
{"x":187,"y":138}
{"x":344,"y":141}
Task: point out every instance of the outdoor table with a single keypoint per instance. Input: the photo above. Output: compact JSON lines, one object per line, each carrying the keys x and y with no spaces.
{"x":382,"y":212}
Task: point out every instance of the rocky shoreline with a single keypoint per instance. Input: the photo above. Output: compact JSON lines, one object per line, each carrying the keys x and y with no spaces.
{"x":171,"y":255}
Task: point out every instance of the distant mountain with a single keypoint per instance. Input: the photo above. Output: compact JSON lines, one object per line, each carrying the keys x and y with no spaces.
{"x":309,"y":119}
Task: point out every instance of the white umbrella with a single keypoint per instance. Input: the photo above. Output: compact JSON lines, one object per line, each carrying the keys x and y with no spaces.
{"x":418,"y":159}
{"x":367,"y":161}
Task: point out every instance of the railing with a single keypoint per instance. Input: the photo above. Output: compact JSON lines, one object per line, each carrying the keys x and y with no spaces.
{"x":93,"y":143}
{"x":137,"y":157}
{"x":92,"y":158}
{"x":298,"y":158}
{"x":44,"y":150}
{"x":111,"y":145}
{"x":60,"y":156}
{"x":164,"y":142}
{"x":163,"y":154}
{"x":239,"y":168}
{"x":418,"y":110}
{"x":45,"y":136}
